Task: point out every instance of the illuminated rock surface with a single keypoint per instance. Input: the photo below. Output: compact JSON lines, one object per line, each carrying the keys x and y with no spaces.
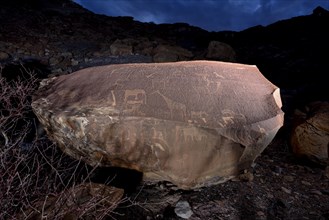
{"x":193,"y":123}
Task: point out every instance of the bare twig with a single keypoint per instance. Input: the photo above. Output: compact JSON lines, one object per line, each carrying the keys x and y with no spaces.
{"x":32,"y":176}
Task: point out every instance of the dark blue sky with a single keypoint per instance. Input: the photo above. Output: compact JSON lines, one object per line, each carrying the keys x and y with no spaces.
{"x":211,"y":15}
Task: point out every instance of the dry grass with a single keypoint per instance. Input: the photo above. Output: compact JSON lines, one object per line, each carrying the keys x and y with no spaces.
{"x":38,"y":180}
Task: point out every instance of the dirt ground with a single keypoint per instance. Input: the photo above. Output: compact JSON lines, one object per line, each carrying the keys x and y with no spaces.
{"x":278,"y":186}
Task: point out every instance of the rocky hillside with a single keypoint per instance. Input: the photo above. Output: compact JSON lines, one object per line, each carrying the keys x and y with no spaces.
{"x":63,"y":37}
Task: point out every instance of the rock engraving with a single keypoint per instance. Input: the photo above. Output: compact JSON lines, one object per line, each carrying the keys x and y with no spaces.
{"x":195,"y":123}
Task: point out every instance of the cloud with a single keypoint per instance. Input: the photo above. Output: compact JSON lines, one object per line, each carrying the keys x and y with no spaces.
{"x":212,"y":15}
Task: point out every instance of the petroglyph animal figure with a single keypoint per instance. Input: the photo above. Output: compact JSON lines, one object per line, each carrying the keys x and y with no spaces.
{"x":193,"y":123}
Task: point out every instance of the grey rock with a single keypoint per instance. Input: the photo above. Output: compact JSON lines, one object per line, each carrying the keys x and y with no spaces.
{"x":183,"y":209}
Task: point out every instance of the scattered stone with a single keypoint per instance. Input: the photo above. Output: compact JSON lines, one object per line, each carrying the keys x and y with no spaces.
{"x":55,"y":60}
{"x":159,"y":199}
{"x":222,"y":208}
{"x":288,"y":178}
{"x":152,"y":122}
{"x":56,"y":72}
{"x":288,"y":191}
{"x":260,"y":213}
{"x":316,"y":192}
{"x":246,"y":177}
{"x":74,"y":62}
{"x":183,"y":209}
{"x":306,"y":183}
{"x":67,"y":54}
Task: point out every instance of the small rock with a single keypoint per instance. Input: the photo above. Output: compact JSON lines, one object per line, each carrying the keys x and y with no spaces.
{"x":55,"y":71}
{"x":247,"y":177}
{"x":74,"y":62}
{"x":316,"y":192}
{"x":260,"y":213}
{"x":288,"y":178}
{"x":306,"y":183}
{"x":47,"y":52}
{"x":55,"y":60}
{"x":183,"y":209}
{"x":288,"y":191}
{"x":66,"y":54}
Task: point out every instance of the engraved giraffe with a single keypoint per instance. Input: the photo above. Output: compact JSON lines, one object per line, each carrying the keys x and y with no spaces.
{"x":173,"y":105}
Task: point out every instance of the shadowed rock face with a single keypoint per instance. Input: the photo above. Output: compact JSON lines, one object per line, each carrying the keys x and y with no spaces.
{"x":193,"y":123}
{"x":310,"y":135}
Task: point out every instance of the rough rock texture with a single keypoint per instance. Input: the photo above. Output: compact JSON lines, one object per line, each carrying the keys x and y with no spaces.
{"x":192,"y":123}
{"x":310,"y":136}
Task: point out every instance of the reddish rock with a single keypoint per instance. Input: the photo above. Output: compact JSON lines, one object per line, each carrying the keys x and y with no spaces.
{"x":310,"y":136}
{"x":193,"y":123}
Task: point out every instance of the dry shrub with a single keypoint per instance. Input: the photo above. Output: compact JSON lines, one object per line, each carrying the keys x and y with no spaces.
{"x":34,"y":169}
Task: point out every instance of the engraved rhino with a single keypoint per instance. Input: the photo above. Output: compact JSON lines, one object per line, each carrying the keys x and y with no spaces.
{"x":194,"y":123}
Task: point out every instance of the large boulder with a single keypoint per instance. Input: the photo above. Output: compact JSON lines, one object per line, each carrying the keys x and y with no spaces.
{"x":194,"y":123}
{"x":310,"y":134}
